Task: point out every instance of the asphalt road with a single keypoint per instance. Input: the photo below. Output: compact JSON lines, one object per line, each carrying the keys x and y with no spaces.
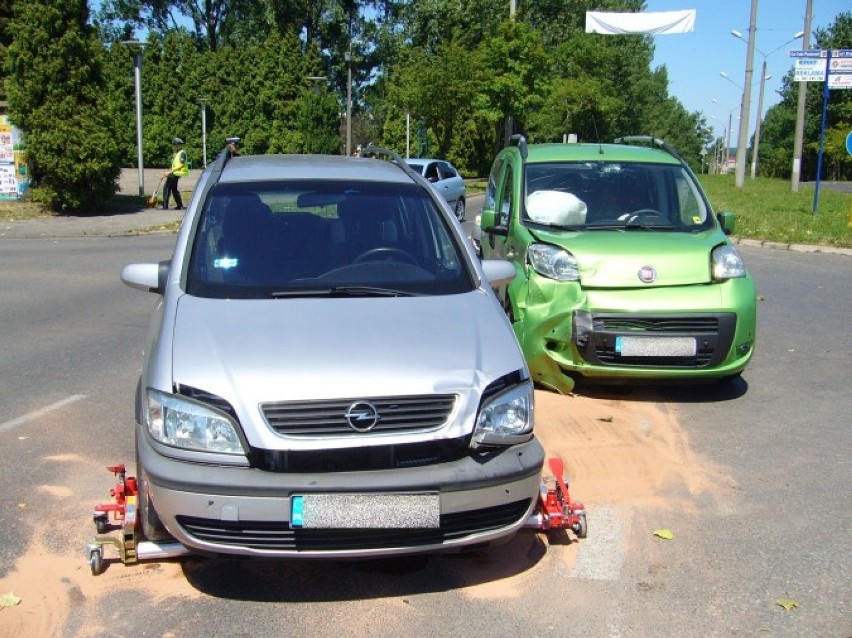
{"x":779,"y":441}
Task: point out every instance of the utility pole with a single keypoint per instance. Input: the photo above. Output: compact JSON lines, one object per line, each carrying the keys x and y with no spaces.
{"x":759,"y":118}
{"x":742,"y":140}
{"x":800,"y":110}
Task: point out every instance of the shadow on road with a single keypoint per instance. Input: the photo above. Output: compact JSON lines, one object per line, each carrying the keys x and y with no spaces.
{"x":710,"y":392}
{"x":329,"y":581}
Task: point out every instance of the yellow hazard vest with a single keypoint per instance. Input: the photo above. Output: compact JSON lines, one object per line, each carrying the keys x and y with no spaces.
{"x":179,"y":165}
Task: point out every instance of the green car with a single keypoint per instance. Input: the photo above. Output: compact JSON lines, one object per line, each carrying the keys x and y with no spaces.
{"x":624,"y":272}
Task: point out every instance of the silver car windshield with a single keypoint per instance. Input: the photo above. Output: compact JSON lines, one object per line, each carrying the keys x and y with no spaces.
{"x":324,"y":238}
{"x":619,"y":195}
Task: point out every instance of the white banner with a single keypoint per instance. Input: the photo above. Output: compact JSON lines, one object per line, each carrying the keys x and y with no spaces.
{"x":654,"y":23}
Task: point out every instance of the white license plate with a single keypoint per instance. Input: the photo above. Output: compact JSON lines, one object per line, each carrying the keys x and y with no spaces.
{"x":655,"y":346}
{"x":365,"y":511}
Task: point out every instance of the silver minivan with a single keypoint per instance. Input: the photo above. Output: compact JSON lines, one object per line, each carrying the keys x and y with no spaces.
{"x":328,"y":372}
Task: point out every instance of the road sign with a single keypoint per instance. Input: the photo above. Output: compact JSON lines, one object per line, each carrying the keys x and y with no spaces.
{"x":849,"y":146}
{"x":808,"y":53}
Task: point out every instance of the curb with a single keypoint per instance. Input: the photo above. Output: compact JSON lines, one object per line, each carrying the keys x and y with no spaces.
{"x":798,"y":248}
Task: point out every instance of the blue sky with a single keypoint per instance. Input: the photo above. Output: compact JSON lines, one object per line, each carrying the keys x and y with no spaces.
{"x":694,"y":60}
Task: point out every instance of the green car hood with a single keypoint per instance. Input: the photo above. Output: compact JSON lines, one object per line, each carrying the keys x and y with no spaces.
{"x":613,"y":258}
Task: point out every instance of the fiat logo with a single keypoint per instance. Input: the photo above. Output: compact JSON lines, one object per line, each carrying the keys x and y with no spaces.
{"x":362,"y":416}
{"x":647,"y":274}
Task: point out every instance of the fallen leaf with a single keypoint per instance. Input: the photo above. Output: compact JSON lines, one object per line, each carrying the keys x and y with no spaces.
{"x":605,"y":419}
{"x":665,"y":534}
{"x":761,"y":298}
{"x":9,"y":600}
{"x":786,"y":603}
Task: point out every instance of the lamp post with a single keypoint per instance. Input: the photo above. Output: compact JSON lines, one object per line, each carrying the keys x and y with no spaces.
{"x":800,"y":108}
{"x":763,"y":78}
{"x":203,"y":103}
{"x":726,"y":135}
{"x":742,"y":139}
{"x":137,"y":48}
{"x":349,"y":99}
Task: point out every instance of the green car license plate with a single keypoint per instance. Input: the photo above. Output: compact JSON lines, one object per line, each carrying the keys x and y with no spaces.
{"x":655,"y":346}
{"x":365,"y":511}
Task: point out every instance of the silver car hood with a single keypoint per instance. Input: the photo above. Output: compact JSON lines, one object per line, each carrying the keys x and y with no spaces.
{"x":256,"y":351}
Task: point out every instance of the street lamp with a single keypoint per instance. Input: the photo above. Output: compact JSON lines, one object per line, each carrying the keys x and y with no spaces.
{"x":137,"y":48}
{"x":726,"y":134}
{"x":203,"y":103}
{"x":763,"y":78}
{"x":349,"y":99}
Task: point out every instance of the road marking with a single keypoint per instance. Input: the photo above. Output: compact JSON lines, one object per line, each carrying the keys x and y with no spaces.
{"x":21,"y":420}
{"x":601,"y":555}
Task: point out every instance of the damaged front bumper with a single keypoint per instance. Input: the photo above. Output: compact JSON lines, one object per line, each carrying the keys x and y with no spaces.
{"x":688,"y":332}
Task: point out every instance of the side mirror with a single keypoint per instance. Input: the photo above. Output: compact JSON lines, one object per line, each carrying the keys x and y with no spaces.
{"x":147,"y":277}
{"x":727,"y":220}
{"x":488,"y":222}
{"x":499,"y":272}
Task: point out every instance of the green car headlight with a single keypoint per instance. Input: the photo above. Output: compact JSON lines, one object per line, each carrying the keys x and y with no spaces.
{"x":727,"y":263}
{"x":176,"y":421}
{"x":553,"y":262}
{"x":507,"y":418}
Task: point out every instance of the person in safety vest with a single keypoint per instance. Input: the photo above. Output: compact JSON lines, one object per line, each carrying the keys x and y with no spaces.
{"x":180,"y":167}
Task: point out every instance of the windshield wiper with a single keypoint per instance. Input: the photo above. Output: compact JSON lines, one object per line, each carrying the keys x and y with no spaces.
{"x":342,"y":291}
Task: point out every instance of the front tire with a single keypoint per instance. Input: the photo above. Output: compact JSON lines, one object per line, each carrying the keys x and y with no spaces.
{"x":152,"y":527}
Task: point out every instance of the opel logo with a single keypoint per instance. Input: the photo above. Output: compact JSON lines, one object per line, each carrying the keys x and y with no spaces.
{"x":647,"y":274}
{"x":362,"y":416}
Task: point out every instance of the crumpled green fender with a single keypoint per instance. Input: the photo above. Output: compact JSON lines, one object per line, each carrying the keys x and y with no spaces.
{"x":543,"y":310}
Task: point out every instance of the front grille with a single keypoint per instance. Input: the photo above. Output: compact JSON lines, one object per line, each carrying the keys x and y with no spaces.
{"x":363,"y":458}
{"x":661,"y":325}
{"x":265,"y":535}
{"x":713,"y":334}
{"x":323,"y":418}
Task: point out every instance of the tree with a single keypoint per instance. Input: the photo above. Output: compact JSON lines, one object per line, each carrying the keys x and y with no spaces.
{"x":437,"y":87}
{"x":55,"y":89}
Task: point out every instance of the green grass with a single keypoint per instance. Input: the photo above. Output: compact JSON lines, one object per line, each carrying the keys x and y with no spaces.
{"x":768,"y":209}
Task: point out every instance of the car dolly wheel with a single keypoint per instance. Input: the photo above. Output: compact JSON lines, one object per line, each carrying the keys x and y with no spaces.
{"x":96,"y":560}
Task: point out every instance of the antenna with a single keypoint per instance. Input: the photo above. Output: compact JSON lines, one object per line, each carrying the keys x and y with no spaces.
{"x":597,"y":135}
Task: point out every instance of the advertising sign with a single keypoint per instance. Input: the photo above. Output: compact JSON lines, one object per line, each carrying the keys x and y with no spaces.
{"x":809,"y":70}
{"x":14,"y":163}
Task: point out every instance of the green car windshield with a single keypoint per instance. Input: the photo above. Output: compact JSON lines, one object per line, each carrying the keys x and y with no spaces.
{"x":614,"y":195}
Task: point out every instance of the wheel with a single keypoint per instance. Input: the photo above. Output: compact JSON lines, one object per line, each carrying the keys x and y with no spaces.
{"x":460,"y":209}
{"x":101,"y":524}
{"x":581,"y":528}
{"x":385,"y":251}
{"x":96,"y":561}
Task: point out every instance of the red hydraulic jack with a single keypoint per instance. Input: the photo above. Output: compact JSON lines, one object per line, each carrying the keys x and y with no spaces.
{"x":123,"y":511}
{"x":554,"y":511}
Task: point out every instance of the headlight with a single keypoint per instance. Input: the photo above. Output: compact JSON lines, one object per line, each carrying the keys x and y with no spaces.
{"x":507,"y":418}
{"x":553,"y":262}
{"x":175,"y":421}
{"x":727,"y":263}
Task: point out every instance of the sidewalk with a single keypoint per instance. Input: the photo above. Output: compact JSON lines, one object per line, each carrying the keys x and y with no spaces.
{"x":119,"y":224}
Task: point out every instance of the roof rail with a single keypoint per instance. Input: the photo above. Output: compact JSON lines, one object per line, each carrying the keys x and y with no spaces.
{"x":374,"y":151}
{"x":653,"y":142}
{"x":520,"y":141}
